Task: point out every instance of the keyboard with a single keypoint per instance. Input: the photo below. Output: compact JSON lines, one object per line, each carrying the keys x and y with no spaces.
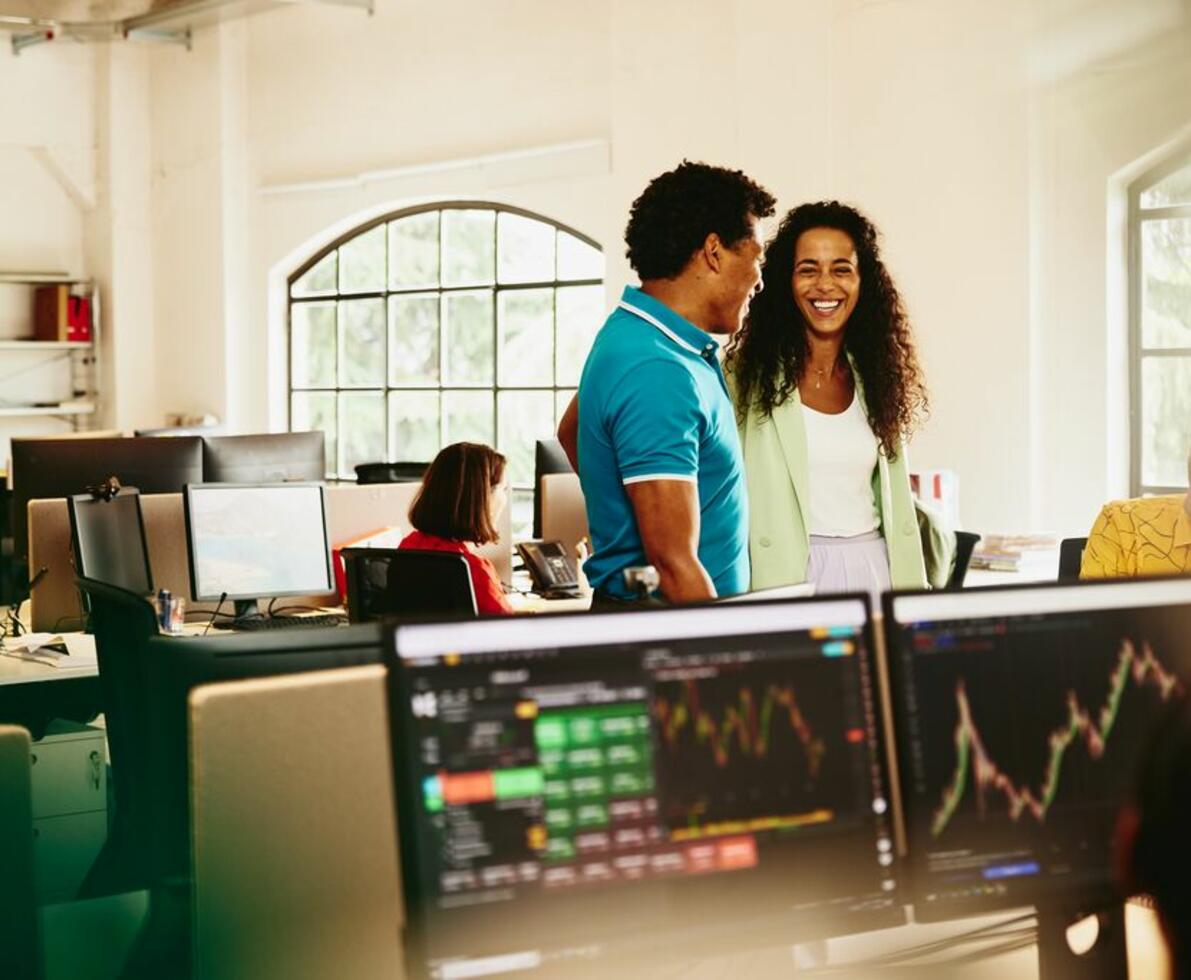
{"x":282,"y":622}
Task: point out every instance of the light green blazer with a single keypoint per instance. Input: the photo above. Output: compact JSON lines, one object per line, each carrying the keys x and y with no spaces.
{"x":777,"y":471}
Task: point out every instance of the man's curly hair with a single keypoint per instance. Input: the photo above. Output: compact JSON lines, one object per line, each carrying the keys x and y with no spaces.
{"x":769,"y":353}
{"x":672,"y":218}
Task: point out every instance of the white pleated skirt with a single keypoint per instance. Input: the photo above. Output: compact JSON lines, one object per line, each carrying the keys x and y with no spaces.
{"x":859,"y":564}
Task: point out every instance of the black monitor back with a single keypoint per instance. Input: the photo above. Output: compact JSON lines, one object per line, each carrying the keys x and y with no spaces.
{"x":108,"y":539}
{"x":274,"y":457}
{"x":548,"y":458}
{"x":173,"y":666}
{"x":62,"y":467}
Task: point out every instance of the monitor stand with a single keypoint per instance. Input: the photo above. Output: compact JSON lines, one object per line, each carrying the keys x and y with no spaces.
{"x":1106,"y":960}
{"x":247,"y":609}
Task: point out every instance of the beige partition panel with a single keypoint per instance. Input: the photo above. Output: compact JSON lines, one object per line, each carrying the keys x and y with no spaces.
{"x":294,"y":838}
{"x":564,"y":514}
{"x":352,"y":511}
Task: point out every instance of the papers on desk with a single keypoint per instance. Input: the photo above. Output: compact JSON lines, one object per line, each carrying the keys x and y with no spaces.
{"x":53,"y":649}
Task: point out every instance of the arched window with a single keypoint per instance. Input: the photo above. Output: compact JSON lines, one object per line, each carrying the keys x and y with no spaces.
{"x":1160,"y":328}
{"x":449,"y":322}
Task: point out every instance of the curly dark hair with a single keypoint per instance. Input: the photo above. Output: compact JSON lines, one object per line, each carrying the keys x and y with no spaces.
{"x":769,"y":353}
{"x":674,"y":215}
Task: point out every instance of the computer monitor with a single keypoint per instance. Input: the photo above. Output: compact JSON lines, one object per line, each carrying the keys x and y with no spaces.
{"x":548,"y":457}
{"x":1019,"y":715}
{"x":274,"y":457}
{"x":249,"y":541}
{"x":108,"y":538}
{"x":59,"y":468}
{"x":605,"y":788}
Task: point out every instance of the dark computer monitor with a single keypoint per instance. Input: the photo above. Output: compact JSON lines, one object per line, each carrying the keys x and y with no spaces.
{"x":604,"y":788}
{"x":249,"y":541}
{"x":1019,"y":716}
{"x":108,"y":538}
{"x":273,"y":457}
{"x":62,"y":467}
{"x":548,"y":458}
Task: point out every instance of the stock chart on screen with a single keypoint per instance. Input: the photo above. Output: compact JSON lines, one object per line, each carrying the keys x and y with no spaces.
{"x":1021,"y":714}
{"x":584,"y":789}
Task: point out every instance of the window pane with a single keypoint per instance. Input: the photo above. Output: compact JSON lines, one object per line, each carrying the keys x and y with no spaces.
{"x":577,"y":259}
{"x":413,"y":339}
{"x":312,"y":354}
{"x":362,"y":343}
{"x":362,"y":262}
{"x":467,"y":417}
{"x":1175,"y":189}
{"x":525,"y":249}
{"x":468,"y":337}
{"x":413,"y":251}
{"x":521,"y":517}
{"x":525,"y":417}
{"x":468,"y":247}
{"x":527,"y":337}
{"x":413,"y":426}
{"x":580,"y":316}
{"x":320,"y":278}
{"x":316,"y":411}
{"x":1165,"y":420}
{"x":1166,"y":283}
{"x":361,"y":430}
{"x":561,"y":400}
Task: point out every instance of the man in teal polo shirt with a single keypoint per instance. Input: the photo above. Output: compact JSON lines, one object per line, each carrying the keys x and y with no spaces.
{"x":658,"y":452}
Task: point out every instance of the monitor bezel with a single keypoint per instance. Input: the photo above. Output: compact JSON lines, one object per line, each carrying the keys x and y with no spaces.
{"x":76,"y":551}
{"x":417,"y":898}
{"x":1088,"y":892}
{"x":289,"y":485}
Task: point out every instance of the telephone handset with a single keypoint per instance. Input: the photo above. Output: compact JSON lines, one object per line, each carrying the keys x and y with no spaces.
{"x":550,"y":567}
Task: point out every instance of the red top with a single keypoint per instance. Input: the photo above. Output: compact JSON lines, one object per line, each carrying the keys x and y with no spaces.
{"x":490,"y":594}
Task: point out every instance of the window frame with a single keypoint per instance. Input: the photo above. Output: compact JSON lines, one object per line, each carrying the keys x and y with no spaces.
{"x":495,"y":289}
{"x":1138,"y":353}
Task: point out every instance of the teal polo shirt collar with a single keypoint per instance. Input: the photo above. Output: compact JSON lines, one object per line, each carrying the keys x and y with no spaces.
{"x":679,"y":329}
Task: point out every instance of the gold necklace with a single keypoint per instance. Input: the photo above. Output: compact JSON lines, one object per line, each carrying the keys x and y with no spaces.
{"x":820,"y":374}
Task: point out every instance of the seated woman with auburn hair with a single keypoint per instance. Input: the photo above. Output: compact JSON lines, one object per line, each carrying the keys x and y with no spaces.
{"x":462,"y":493}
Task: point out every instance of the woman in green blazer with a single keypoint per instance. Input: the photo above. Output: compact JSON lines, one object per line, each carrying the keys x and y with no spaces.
{"x":827,"y":387}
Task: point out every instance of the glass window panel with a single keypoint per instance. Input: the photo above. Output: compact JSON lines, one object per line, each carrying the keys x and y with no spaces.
{"x":1172,"y":190}
{"x":413,"y":426}
{"x":362,"y":262}
{"x":361,"y":430}
{"x":467,"y":333}
{"x":525,"y":249}
{"x":467,"y":417}
{"x":577,"y":259}
{"x":320,"y":278}
{"x":1165,"y":420}
{"x":561,"y":400}
{"x":524,"y":418}
{"x":413,"y":339}
{"x":580,"y":316}
{"x":312,"y":345}
{"x":521,"y":517}
{"x":316,"y":410}
{"x":468,"y":247}
{"x":413,"y":251}
{"x":362,"y":343}
{"x":527,"y":337}
{"x":1166,"y":283}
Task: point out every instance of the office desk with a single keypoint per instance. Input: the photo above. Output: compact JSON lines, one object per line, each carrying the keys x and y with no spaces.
{"x":32,"y":694}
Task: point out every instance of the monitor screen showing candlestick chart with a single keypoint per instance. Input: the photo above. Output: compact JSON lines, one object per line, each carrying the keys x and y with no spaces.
{"x":1020,"y":716}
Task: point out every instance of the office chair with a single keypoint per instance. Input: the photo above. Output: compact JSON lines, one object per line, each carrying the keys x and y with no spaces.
{"x":122,"y":622}
{"x":965,"y":544}
{"x":390,"y":472}
{"x":20,"y":945}
{"x":407,"y":582}
{"x":1070,"y":558}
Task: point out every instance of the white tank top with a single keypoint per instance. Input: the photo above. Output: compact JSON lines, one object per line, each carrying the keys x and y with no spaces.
{"x":842,"y":454}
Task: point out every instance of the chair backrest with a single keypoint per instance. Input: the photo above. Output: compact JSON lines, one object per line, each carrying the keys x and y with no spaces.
{"x":295,"y":859}
{"x":123,"y":622}
{"x":407,"y":582}
{"x":1070,"y":558}
{"x":390,"y":472}
{"x":20,"y":946}
{"x":965,"y":544}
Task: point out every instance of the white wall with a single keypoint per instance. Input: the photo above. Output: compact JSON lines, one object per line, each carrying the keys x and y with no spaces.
{"x":985,"y":140}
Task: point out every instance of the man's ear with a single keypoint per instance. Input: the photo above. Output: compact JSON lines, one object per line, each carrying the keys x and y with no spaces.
{"x":713,"y":252}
